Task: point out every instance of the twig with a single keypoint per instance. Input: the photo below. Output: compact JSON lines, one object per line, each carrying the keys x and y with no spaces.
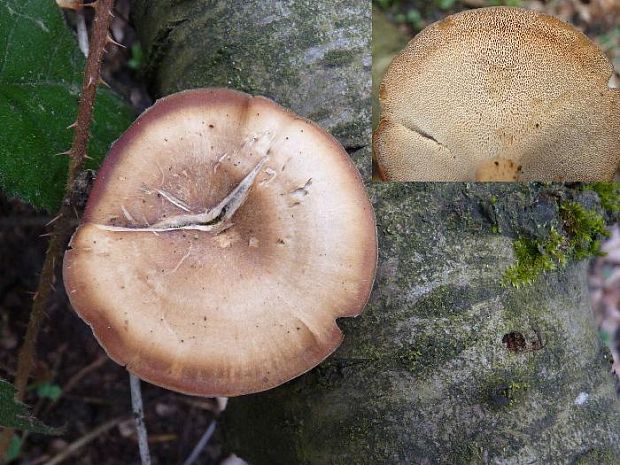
{"x":88,"y":437}
{"x":138,"y":413}
{"x":64,"y":226}
{"x":204,"y":440}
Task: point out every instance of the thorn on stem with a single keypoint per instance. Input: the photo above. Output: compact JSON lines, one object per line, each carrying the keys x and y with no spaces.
{"x":70,"y":4}
{"x":110,"y":40}
{"x":75,"y":4}
{"x":103,"y":83}
{"x":66,"y":152}
{"x":53,"y":220}
{"x":72,"y":125}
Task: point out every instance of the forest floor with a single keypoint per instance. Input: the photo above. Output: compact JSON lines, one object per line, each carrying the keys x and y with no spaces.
{"x":74,"y":383}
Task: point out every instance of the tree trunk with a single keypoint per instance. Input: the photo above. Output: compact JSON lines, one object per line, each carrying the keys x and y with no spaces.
{"x":447,"y":365}
{"x":310,"y":56}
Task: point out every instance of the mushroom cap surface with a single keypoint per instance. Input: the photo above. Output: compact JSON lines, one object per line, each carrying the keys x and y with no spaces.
{"x":233,"y":311}
{"x":499,"y":84}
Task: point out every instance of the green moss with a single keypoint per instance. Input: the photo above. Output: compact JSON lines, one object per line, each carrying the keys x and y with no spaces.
{"x":608,"y":193}
{"x":585,"y":229}
{"x":447,"y":301}
{"x":338,"y":58}
{"x":535,"y":257}
{"x":469,"y":453}
{"x":349,"y":127}
{"x":419,"y":356}
{"x":598,"y":457}
{"x":500,"y":393}
{"x":580,"y":239}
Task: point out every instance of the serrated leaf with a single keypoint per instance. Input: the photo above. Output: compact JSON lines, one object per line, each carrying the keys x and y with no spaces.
{"x":14,"y":414}
{"x":40,"y":79}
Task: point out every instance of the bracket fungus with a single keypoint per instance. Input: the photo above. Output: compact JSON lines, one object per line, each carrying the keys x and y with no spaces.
{"x":499,"y":94}
{"x":222,"y":239}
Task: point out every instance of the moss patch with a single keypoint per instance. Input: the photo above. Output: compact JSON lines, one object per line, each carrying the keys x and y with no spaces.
{"x":503,"y":391}
{"x":533,"y":258}
{"x":585,"y":228}
{"x":581,"y":237}
{"x":608,"y":193}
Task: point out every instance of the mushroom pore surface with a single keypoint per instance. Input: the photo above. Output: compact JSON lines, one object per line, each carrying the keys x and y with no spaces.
{"x":251,"y":300}
{"x":504,"y":85}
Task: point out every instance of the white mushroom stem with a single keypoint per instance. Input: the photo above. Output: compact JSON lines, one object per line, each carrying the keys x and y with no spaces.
{"x":204,"y":440}
{"x":215,"y":219}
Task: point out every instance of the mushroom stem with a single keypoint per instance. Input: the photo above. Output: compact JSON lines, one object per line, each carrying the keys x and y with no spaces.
{"x":204,"y":440}
{"x":214,"y":219}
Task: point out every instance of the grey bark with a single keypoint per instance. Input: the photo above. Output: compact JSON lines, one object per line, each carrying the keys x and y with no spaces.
{"x":423,"y":377}
{"x":311,"y":56}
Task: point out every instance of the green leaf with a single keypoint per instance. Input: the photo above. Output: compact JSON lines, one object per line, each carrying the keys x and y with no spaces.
{"x":14,"y":414}
{"x":15,"y":448}
{"x":49,"y":391}
{"x":40,"y":80}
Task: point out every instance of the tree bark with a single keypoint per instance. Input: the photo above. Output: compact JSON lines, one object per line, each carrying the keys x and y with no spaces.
{"x":310,"y":56}
{"x":447,"y":366}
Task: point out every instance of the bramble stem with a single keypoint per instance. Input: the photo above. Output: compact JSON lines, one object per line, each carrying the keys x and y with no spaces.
{"x":65,"y":224}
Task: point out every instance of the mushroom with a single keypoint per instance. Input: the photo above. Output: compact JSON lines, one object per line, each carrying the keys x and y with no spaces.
{"x":222,"y":239}
{"x":499,"y":94}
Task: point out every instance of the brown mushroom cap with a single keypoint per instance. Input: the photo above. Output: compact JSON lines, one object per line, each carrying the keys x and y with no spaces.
{"x":239,"y":309}
{"x":503,"y":84}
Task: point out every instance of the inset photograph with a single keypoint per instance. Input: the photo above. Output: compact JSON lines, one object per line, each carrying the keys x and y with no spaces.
{"x":473,"y":91}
